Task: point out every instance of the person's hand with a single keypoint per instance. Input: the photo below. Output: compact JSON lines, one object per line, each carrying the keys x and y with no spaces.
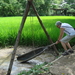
{"x":57,"y":42}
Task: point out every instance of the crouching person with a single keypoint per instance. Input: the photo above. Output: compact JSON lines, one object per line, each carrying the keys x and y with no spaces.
{"x":69,"y":30}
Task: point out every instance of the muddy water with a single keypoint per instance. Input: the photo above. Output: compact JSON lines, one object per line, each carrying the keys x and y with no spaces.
{"x":18,"y":67}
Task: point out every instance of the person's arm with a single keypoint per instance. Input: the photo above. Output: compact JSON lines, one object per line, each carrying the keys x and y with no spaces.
{"x":61,"y":35}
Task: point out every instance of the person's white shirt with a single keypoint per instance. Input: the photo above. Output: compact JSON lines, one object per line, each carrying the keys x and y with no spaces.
{"x":69,"y":30}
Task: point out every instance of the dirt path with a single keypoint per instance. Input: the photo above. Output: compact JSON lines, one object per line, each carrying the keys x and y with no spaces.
{"x":64,"y":65}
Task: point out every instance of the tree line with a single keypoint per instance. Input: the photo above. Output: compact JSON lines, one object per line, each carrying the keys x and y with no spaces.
{"x":17,"y":7}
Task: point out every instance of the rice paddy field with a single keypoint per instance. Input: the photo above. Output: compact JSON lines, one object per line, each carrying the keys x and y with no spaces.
{"x":32,"y":33}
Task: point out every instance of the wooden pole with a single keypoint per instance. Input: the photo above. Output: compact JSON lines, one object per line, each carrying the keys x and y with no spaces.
{"x":44,"y":28}
{"x":18,"y":37}
{"x":19,"y":33}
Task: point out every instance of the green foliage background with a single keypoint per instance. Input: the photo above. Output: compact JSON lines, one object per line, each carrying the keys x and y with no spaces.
{"x":44,"y":7}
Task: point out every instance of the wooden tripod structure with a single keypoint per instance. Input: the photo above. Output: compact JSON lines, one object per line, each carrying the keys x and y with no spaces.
{"x":29,"y":3}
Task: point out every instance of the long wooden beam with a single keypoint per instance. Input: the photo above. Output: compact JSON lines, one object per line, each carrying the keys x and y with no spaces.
{"x":44,"y":28}
{"x":18,"y":37}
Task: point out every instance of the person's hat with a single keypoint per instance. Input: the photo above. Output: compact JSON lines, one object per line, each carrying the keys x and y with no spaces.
{"x":58,"y":23}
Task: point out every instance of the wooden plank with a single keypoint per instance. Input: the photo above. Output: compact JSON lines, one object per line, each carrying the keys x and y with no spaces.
{"x":33,"y":53}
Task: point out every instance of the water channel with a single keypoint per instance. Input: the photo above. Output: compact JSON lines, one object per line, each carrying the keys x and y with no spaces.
{"x":17,"y":66}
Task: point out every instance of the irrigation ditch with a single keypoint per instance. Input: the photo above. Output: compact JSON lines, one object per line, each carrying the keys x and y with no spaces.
{"x":5,"y":56}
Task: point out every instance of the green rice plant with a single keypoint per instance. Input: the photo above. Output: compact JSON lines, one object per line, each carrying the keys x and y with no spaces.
{"x":32,"y":31}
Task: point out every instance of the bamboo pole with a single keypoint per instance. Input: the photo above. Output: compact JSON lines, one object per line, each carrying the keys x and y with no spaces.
{"x":18,"y":37}
{"x":40,"y":21}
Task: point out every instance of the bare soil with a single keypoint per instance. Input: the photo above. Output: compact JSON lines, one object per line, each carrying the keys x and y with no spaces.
{"x":64,"y":65}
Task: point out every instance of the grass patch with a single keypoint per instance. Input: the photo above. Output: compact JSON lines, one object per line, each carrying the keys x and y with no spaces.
{"x":36,"y":70}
